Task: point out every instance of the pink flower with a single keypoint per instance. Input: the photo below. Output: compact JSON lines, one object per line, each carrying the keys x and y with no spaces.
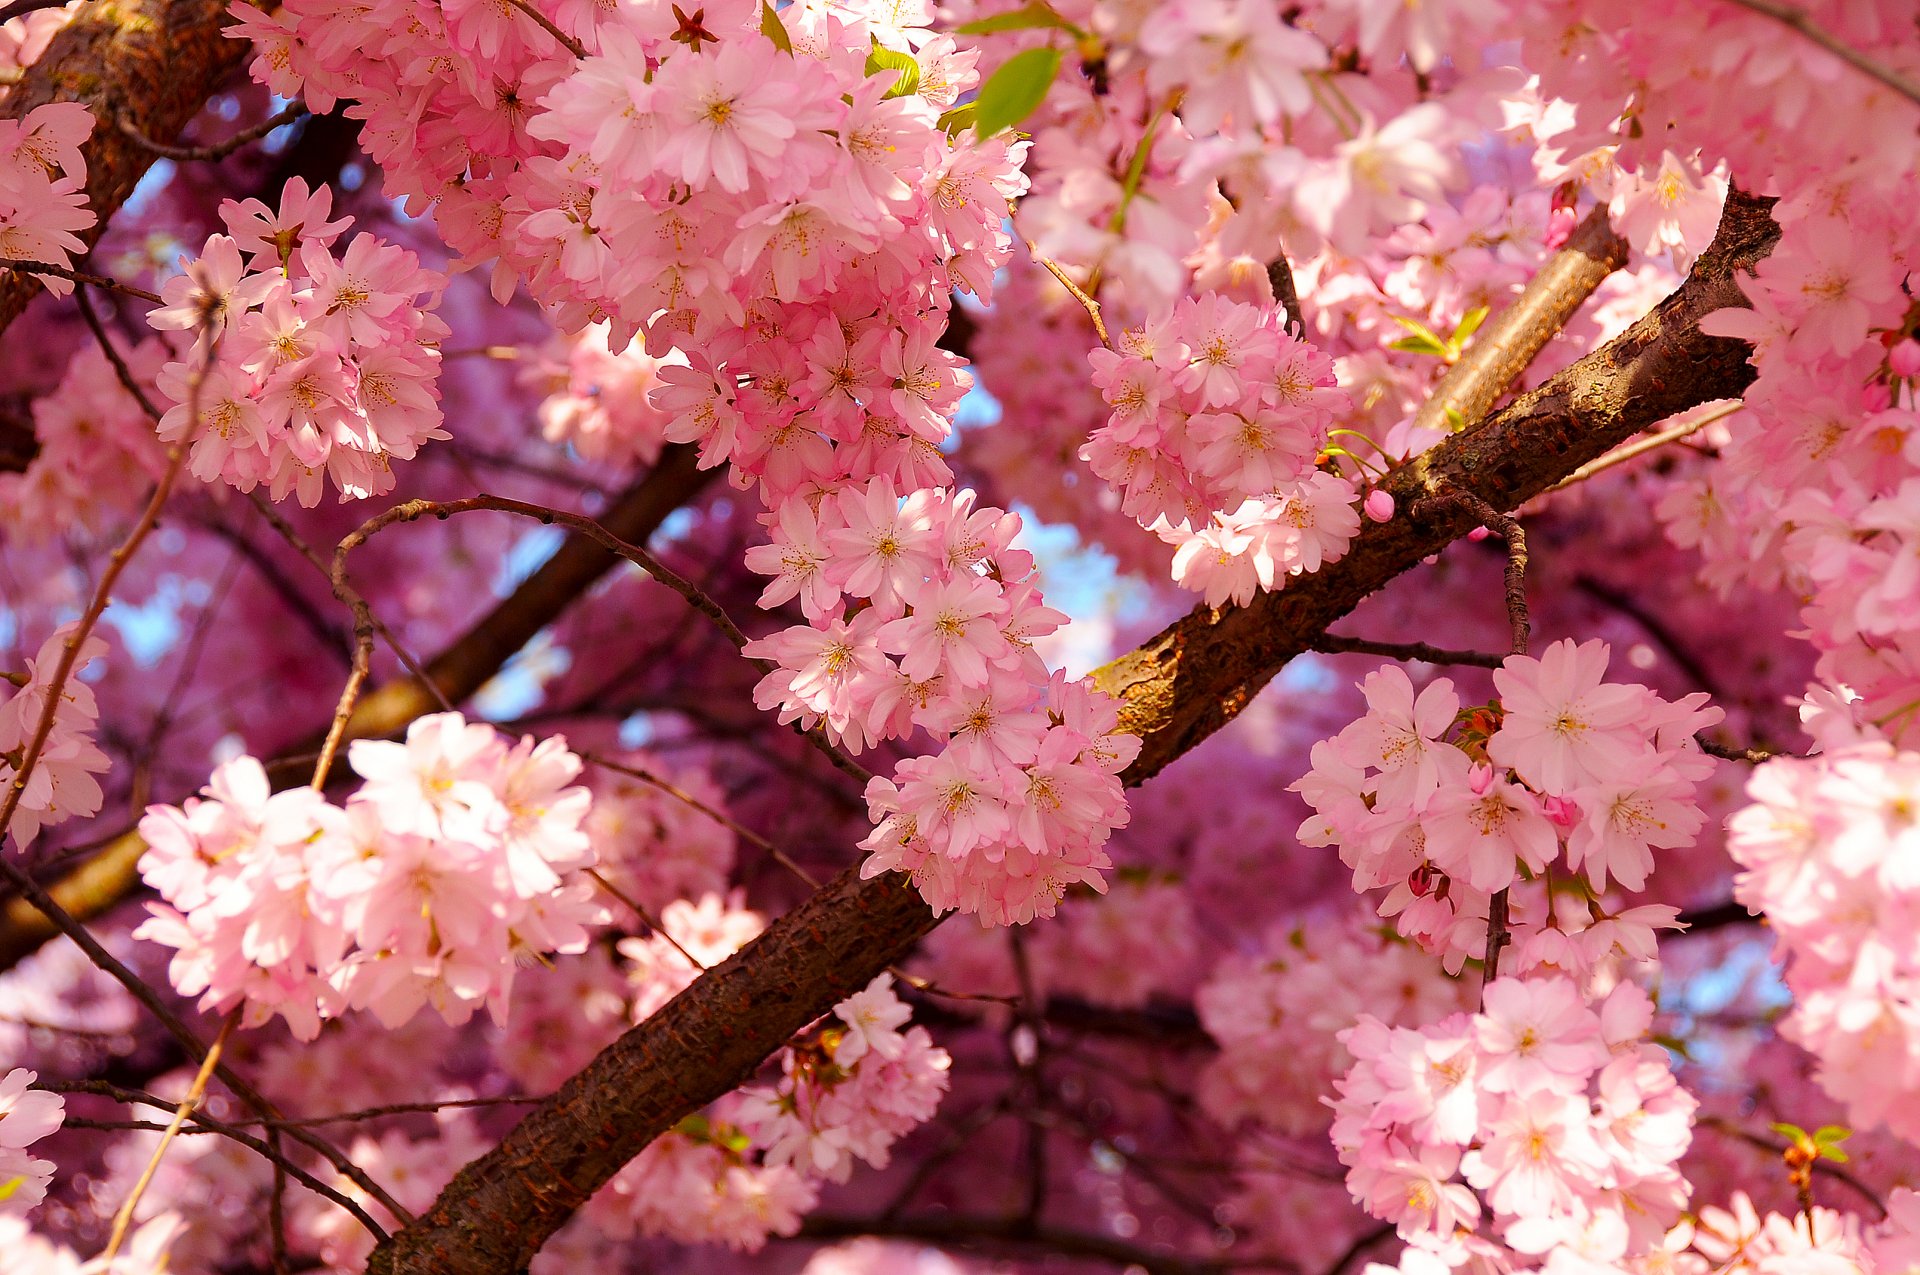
{"x":1482,"y":830}
{"x":953,"y":629}
{"x":1399,"y":737}
{"x":729,"y":111}
{"x":1537,"y":1034}
{"x":1562,"y":725}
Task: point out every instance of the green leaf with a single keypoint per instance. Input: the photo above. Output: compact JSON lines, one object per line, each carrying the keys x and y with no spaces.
{"x":956,"y":120}
{"x":1456,"y":419}
{"x":1426,"y":343}
{"x":1831,"y":1133}
{"x":774,"y":29}
{"x":881,"y":58}
{"x":1015,"y":91}
{"x":1791,"y":1132}
{"x":1027,"y":18}
{"x":1833,"y":1153}
{"x":1419,"y":329}
{"x":1469,"y":324}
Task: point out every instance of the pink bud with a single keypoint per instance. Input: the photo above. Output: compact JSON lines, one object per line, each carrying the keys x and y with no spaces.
{"x":1478,"y":534}
{"x":1379,"y":505}
{"x":1480,"y":778}
{"x":1904,"y":359}
{"x":1561,"y":811}
{"x":1560,"y":224}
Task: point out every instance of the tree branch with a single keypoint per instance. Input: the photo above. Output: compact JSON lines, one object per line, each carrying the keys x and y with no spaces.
{"x":151,"y":63}
{"x":457,"y":673}
{"x":1508,"y":343}
{"x":1178,"y":689}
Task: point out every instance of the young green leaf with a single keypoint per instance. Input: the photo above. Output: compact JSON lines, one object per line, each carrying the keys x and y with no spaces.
{"x":1026,"y":18}
{"x":880,"y":58}
{"x":773,"y":28}
{"x":957,"y":119}
{"x":1015,"y":91}
{"x":1424,"y":343}
{"x":1469,"y":324}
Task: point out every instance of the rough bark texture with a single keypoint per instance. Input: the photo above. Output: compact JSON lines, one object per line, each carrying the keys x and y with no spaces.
{"x":459,"y":671}
{"x":153,"y":63}
{"x":1179,"y":688}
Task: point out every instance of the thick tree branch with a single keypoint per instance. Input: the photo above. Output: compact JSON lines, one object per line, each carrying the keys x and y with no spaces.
{"x":1178,"y":689}
{"x":151,"y":63}
{"x":457,"y":672}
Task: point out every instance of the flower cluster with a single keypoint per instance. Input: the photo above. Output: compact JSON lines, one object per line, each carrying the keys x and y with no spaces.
{"x":654,"y":843}
{"x":96,"y":451}
{"x":751,"y":1164}
{"x":62,"y":782}
{"x":1020,"y":802}
{"x":1552,"y":1117}
{"x":459,"y":855}
{"x":692,"y":937}
{"x":598,"y":400}
{"x":1446,"y":808}
{"x":1831,"y":852}
{"x":43,"y":196}
{"x":1219,"y":415}
{"x":26,"y":1116}
{"x":853,"y":1092}
{"x":1277,"y":1016}
{"x":306,"y":366}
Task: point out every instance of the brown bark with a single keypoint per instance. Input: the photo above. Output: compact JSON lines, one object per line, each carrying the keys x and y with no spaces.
{"x":1178,"y":688}
{"x":459,"y":671}
{"x":153,"y":63}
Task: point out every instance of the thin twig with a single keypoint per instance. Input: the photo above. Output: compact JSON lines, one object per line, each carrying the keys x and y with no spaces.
{"x":1796,"y":19}
{"x":77,"y":276}
{"x":204,"y":1124}
{"x":195,"y":1092}
{"x":217,"y":150}
{"x":1519,"y":626}
{"x":1087,"y":303}
{"x":21,"y":8}
{"x":567,"y":42}
{"x":652,"y":921}
{"x":125,"y":374}
{"x":414,"y":510}
{"x":720,"y":817}
{"x":1334,"y":644}
{"x":1720,"y":1124}
{"x":1651,"y":442}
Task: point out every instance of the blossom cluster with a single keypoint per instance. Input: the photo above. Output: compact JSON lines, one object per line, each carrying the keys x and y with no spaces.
{"x":61,"y":784}
{"x":924,"y":614}
{"x":1830,"y":851}
{"x":1277,"y":1016}
{"x":96,"y":453}
{"x":852,"y":1093}
{"x":460,"y":855}
{"x":43,"y":179}
{"x":1219,"y":416}
{"x":1446,"y":808}
{"x":598,"y":401}
{"x":654,"y":843}
{"x":752,"y":1163}
{"x":1552,"y":1118}
{"x":26,"y":1116}
{"x":306,"y":367}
